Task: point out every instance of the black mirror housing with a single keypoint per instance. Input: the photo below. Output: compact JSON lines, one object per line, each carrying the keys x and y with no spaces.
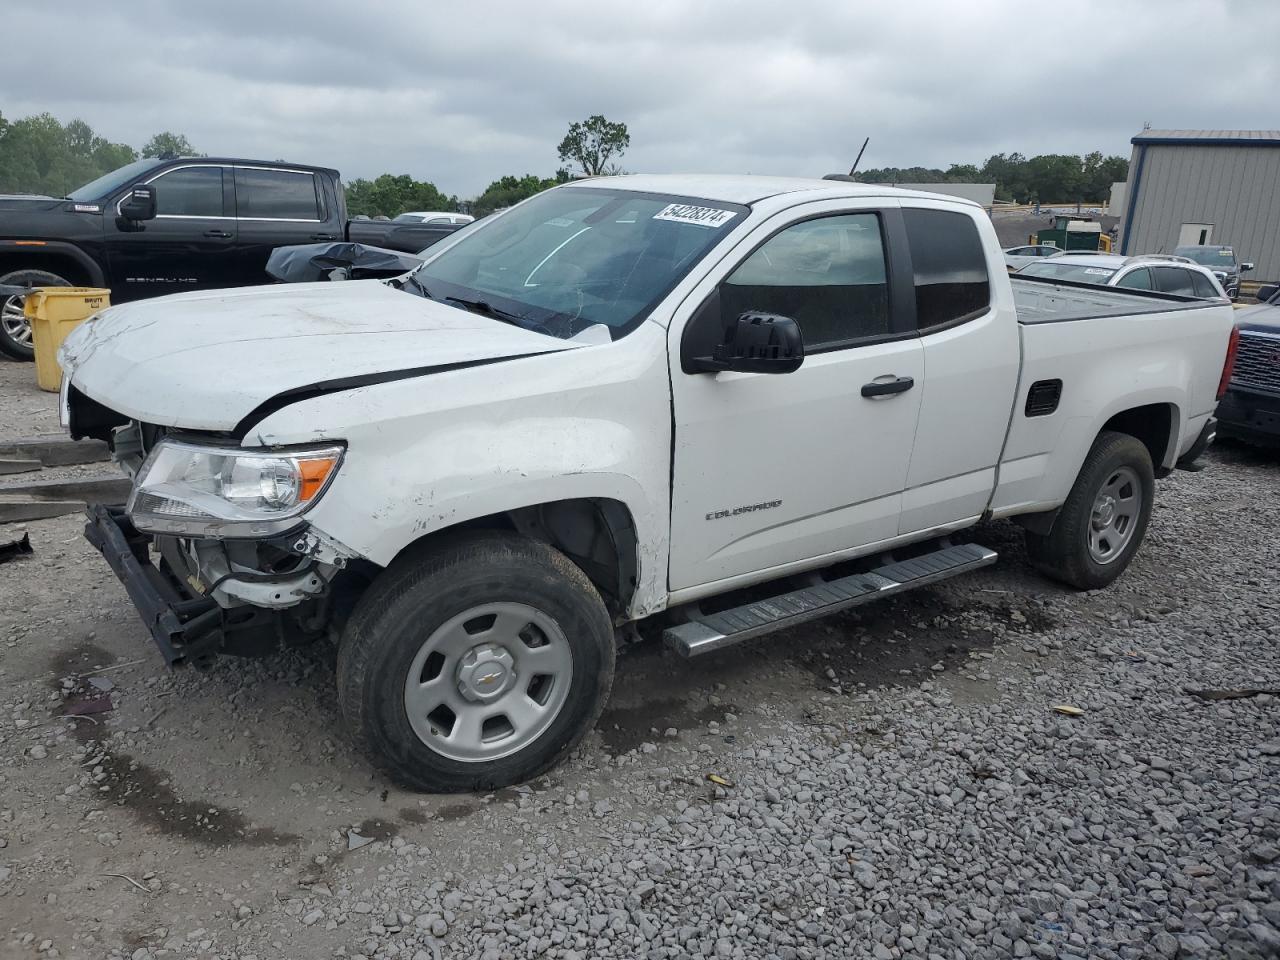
{"x":757,"y":343}
{"x":140,"y":203}
{"x":1267,"y":292}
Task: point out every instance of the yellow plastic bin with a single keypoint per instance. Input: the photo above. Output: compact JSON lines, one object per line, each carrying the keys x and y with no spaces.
{"x":53,"y":313}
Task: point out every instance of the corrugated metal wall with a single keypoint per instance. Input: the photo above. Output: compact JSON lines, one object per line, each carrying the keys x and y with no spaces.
{"x":1237,"y":189}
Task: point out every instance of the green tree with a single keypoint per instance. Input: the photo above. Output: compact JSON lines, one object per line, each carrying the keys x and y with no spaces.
{"x":591,"y":143}
{"x":169,"y":144}
{"x":40,"y":155}
{"x":389,"y":195}
{"x":509,"y":190}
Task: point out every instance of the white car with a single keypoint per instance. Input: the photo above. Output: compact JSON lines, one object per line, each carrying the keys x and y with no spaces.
{"x":433,"y":216}
{"x":1166,"y":274}
{"x":624,"y":399}
{"x":1017,"y":257}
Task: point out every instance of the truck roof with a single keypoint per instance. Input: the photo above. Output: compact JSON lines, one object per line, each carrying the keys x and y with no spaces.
{"x":237,"y":161}
{"x":745,"y":188}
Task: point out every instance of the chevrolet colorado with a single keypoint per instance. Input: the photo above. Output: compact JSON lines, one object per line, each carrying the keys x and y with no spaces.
{"x":159,"y":226}
{"x":721,"y":405}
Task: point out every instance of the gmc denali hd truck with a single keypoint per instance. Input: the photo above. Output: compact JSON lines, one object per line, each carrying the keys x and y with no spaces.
{"x":624,"y":399}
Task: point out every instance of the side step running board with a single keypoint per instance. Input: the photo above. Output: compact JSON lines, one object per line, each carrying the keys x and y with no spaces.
{"x":719,"y":630}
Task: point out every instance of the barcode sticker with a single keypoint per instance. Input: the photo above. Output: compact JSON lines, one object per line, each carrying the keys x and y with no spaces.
{"x":701,"y":216}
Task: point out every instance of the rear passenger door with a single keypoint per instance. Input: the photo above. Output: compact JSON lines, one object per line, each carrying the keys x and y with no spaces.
{"x":276,"y":208}
{"x":969,"y":332}
{"x":774,"y":469}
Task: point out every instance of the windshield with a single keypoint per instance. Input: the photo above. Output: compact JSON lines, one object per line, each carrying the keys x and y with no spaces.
{"x":111,"y":182}
{"x":574,"y":257}
{"x":1208,"y":256}
{"x":1077,"y":272}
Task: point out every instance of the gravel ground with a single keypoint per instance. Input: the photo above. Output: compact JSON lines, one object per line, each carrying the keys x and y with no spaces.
{"x":896,"y":781}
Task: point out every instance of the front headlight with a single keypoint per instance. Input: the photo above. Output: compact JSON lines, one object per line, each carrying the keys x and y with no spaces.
{"x":195,"y":490}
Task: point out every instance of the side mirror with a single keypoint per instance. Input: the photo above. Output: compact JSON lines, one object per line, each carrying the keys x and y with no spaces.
{"x":1268,"y":292}
{"x":140,"y":204}
{"x":757,"y":343}
{"x":1246,"y":267}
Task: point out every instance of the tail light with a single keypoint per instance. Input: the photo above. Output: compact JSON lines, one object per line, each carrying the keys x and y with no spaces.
{"x":1229,"y":365}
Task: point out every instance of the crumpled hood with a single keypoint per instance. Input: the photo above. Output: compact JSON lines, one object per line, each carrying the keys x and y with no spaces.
{"x":204,"y":361}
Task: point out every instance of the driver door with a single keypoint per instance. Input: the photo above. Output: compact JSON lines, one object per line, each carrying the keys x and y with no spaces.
{"x":772,"y":470}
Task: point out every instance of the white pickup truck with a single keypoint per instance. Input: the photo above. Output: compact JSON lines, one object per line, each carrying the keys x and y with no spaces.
{"x":625,"y":399}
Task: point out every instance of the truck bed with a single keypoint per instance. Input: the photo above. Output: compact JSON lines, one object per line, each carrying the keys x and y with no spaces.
{"x":1042,"y":300}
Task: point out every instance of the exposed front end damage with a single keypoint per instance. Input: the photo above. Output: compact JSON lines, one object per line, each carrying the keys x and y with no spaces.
{"x":199,"y":598}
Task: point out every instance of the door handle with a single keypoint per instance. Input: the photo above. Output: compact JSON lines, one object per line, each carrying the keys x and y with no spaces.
{"x":323,"y":236}
{"x":884,"y":388}
{"x":218,"y":234}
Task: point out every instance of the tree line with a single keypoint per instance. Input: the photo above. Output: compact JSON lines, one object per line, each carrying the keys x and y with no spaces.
{"x":1054,"y":177}
{"x":40,"y":155}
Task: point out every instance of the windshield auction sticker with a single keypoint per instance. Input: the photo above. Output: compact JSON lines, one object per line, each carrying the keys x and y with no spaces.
{"x":701,"y":216}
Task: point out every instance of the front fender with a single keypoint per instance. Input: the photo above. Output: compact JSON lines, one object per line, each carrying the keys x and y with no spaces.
{"x":435,"y":451}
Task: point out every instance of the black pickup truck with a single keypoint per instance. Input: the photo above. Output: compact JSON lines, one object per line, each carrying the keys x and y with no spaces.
{"x":160,"y":226}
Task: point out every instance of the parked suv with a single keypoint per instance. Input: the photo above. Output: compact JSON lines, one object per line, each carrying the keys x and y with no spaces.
{"x":1221,"y":260}
{"x":1165,"y":274}
{"x":1250,"y":410}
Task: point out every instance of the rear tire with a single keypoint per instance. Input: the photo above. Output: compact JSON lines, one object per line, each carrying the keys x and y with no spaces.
{"x":1104,"y":519}
{"x":15,"y":329}
{"x":475,"y":663}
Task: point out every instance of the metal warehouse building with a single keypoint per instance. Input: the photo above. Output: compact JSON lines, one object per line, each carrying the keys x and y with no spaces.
{"x":1205,"y":186}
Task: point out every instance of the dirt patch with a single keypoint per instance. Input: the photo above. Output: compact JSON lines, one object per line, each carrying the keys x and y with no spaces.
{"x":894,"y":642}
{"x":456,"y":811}
{"x":413,"y":815}
{"x":146,"y":793}
{"x":625,"y":728}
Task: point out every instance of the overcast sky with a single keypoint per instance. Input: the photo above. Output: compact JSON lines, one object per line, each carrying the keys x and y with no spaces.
{"x":461,"y":93}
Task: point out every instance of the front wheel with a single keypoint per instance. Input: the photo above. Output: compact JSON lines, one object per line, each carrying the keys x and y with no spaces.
{"x":1101,"y":525}
{"x":15,"y":329}
{"x":475,"y":663}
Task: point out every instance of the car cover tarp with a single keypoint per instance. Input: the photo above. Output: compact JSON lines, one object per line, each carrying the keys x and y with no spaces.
{"x":310,"y":262}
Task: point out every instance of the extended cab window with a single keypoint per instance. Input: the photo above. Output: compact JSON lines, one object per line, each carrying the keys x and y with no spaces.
{"x":826,"y":274}
{"x":950,"y":267}
{"x":276,"y":195}
{"x":189,"y":192}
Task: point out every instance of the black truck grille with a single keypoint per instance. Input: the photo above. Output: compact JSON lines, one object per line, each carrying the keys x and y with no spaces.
{"x":1258,"y":362}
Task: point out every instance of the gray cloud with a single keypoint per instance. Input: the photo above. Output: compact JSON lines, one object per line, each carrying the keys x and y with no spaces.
{"x":461,"y":94}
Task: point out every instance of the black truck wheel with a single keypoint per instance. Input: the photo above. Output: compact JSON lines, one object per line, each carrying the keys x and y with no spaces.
{"x":1101,"y":525}
{"x":475,"y":663}
{"x":15,"y":329}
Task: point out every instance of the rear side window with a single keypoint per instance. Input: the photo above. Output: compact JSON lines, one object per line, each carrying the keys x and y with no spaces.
{"x":189,"y":192}
{"x":1175,"y":280}
{"x":1137,"y":280}
{"x":826,"y":274}
{"x":950,"y":267}
{"x":1203,"y":286}
{"x":276,"y":195}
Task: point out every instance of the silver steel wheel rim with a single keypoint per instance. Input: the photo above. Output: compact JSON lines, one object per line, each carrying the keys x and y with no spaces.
{"x":488,"y":682}
{"x":16,"y":326}
{"x":1115,"y":515}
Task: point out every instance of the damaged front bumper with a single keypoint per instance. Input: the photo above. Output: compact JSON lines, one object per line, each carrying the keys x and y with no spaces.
{"x":196,"y":603}
{"x":182,"y":628}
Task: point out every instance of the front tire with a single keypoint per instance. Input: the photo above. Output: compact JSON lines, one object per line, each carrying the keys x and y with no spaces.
{"x":15,"y":329}
{"x":475,"y":663}
{"x":1104,"y":519}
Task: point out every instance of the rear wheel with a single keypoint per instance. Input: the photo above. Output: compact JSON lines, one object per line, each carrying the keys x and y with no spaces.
{"x":1101,"y":525}
{"x":477,"y":663}
{"x":15,"y":328}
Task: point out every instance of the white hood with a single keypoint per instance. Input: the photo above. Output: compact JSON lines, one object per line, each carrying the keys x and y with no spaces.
{"x":205,"y":360}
